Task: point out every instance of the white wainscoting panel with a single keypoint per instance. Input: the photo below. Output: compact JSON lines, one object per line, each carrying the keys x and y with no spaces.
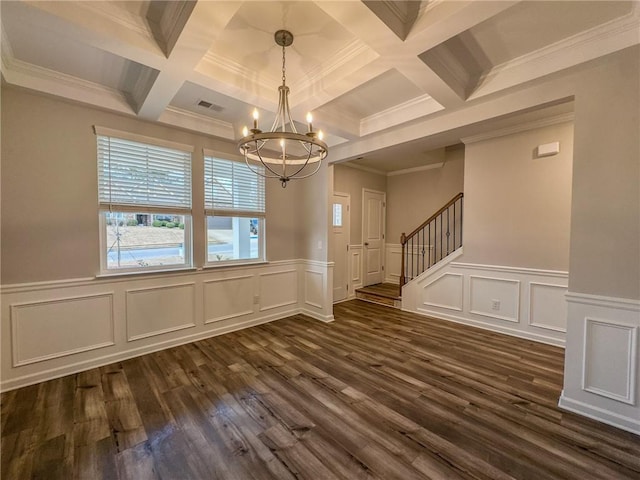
{"x":601,"y":373}
{"x":226,"y":298}
{"x":445,"y":291}
{"x":610,"y":360}
{"x":393,"y":262}
{"x":156,"y":310}
{"x":355,"y":268}
{"x":531,"y":301}
{"x":44,"y":330}
{"x":483,"y":291}
{"x":313,"y":288}
{"x":57,"y":328}
{"x":278,"y":289}
{"x":547,"y":306}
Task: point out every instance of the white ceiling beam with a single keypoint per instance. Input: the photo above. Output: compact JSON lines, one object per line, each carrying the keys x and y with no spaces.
{"x":83,"y":23}
{"x":206,"y":21}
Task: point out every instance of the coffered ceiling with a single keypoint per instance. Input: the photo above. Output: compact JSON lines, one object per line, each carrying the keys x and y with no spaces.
{"x":366,"y":70}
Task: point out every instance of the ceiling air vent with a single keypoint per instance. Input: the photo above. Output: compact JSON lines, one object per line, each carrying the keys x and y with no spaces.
{"x":210,"y":106}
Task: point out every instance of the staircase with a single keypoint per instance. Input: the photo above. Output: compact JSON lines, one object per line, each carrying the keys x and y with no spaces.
{"x":382,"y":293}
{"x":438,"y":237}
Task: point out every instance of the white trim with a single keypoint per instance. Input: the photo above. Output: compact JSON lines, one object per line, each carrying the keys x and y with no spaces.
{"x":415,"y":169}
{"x":521,"y":127}
{"x":360,"y":167}
{"x":208,"y":321}
{"x":50,"y":374}
{"x":519,"y":270}
{"x":531,"y":306}
{"x":603,"y":301}
{"x":111,"y":132}
{"x":489,"y":326}
{"x":126,"y":277}
{"x":448,"y":307}
{"x":131,"y":292}
{"x":14,"y":307}
{"x":515,"y":319}
{"x":629,"y":398}
{"x":197,"y":122}
{"x":599,"y":414}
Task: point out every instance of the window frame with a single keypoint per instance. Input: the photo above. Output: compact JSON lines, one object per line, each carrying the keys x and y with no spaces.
{"x":105,"y":207}
{"x":210,"y":211}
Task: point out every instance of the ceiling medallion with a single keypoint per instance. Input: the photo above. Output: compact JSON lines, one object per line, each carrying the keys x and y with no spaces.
{"x":285,"y":153}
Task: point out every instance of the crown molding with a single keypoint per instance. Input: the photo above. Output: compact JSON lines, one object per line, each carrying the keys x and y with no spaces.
{"x":404,"y":112}
{"x":118,"y":16}
{"x":364,"y":169}
{"x":179,"y":117}
{"x":23,"y":74}
{"x":521,"y":127}
{"x":415,"y":169}
{"x":355,"y":55}
{"x":587,"y":45}
{"x":216,"y":61}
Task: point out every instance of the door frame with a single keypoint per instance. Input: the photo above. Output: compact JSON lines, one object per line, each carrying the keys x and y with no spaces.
{"x":347,"y":226}
{"x":383,"y":246}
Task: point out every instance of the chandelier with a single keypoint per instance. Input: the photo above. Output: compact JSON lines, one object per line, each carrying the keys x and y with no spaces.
{"x":283,"y":152}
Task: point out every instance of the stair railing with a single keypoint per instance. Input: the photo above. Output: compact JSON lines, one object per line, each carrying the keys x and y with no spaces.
{"x":439,"y":236}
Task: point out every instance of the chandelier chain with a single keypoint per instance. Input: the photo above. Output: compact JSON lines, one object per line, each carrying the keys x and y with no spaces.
{"x":283,"y":67}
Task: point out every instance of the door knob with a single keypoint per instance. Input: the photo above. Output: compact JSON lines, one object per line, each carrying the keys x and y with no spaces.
{"x":366,"y":244}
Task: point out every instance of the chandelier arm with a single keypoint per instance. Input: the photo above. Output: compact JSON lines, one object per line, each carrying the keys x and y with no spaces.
{"x":266,"y":165}
{"x":310,"y":174}
{"x":294,"y":175}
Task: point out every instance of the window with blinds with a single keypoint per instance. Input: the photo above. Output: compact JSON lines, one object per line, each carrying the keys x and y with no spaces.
{"x":135,"y":174}
{"x":231,"y":188}
{"x":144,"y":197}
{"x":235,"y":211}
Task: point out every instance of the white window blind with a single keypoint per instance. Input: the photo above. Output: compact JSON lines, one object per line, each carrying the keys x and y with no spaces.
{"x":135,"y":174}
{"x":230,"y":188}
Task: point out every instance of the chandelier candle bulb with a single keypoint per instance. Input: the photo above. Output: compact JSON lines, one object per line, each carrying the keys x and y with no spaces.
{"x":245,"y":131}
{"x":255,"y":118}
{"x":309,"y":121}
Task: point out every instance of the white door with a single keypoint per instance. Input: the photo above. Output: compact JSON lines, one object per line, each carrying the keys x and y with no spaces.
{"x":373,"y":216}
{"x":340,"y":222}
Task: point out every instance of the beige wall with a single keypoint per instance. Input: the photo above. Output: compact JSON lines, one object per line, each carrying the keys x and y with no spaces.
{"x":49,"y":189}
{"x":352,"y":181}
{"x":517,"y":207}
{"x":312,"y":214}
{"x":413,"y":197}
{"x":605,"y":217}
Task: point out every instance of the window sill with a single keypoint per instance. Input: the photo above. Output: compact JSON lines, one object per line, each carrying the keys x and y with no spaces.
{"x":146,"y":272}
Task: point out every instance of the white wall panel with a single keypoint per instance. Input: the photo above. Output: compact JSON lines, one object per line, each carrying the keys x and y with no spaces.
{"x":393,"y":262}
{"x":157,"y":310}
{"x":44,"y":330}
{"x":313,"y":288}
{"x":547,"y":306}
{"x":483,"y":291}
{"x":278,"y":289}
{"x":445,"y":291}
{"x":356,"y":267}
{"x":531,"y":302}
{"x":610,"y":360}
{"x":226,"y":298}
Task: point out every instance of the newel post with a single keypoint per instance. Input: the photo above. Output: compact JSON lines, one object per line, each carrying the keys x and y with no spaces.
{"x":403,"y":242}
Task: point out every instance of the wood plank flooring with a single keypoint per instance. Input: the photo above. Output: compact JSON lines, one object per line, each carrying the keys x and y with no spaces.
{"x":378,"y":394}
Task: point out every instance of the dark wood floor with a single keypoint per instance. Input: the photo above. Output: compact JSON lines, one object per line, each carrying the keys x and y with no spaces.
{"x":378,"y":394}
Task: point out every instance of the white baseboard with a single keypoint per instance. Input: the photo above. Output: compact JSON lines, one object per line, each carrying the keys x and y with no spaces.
{"x":600,"y":414}
{"x":492,"y":327}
